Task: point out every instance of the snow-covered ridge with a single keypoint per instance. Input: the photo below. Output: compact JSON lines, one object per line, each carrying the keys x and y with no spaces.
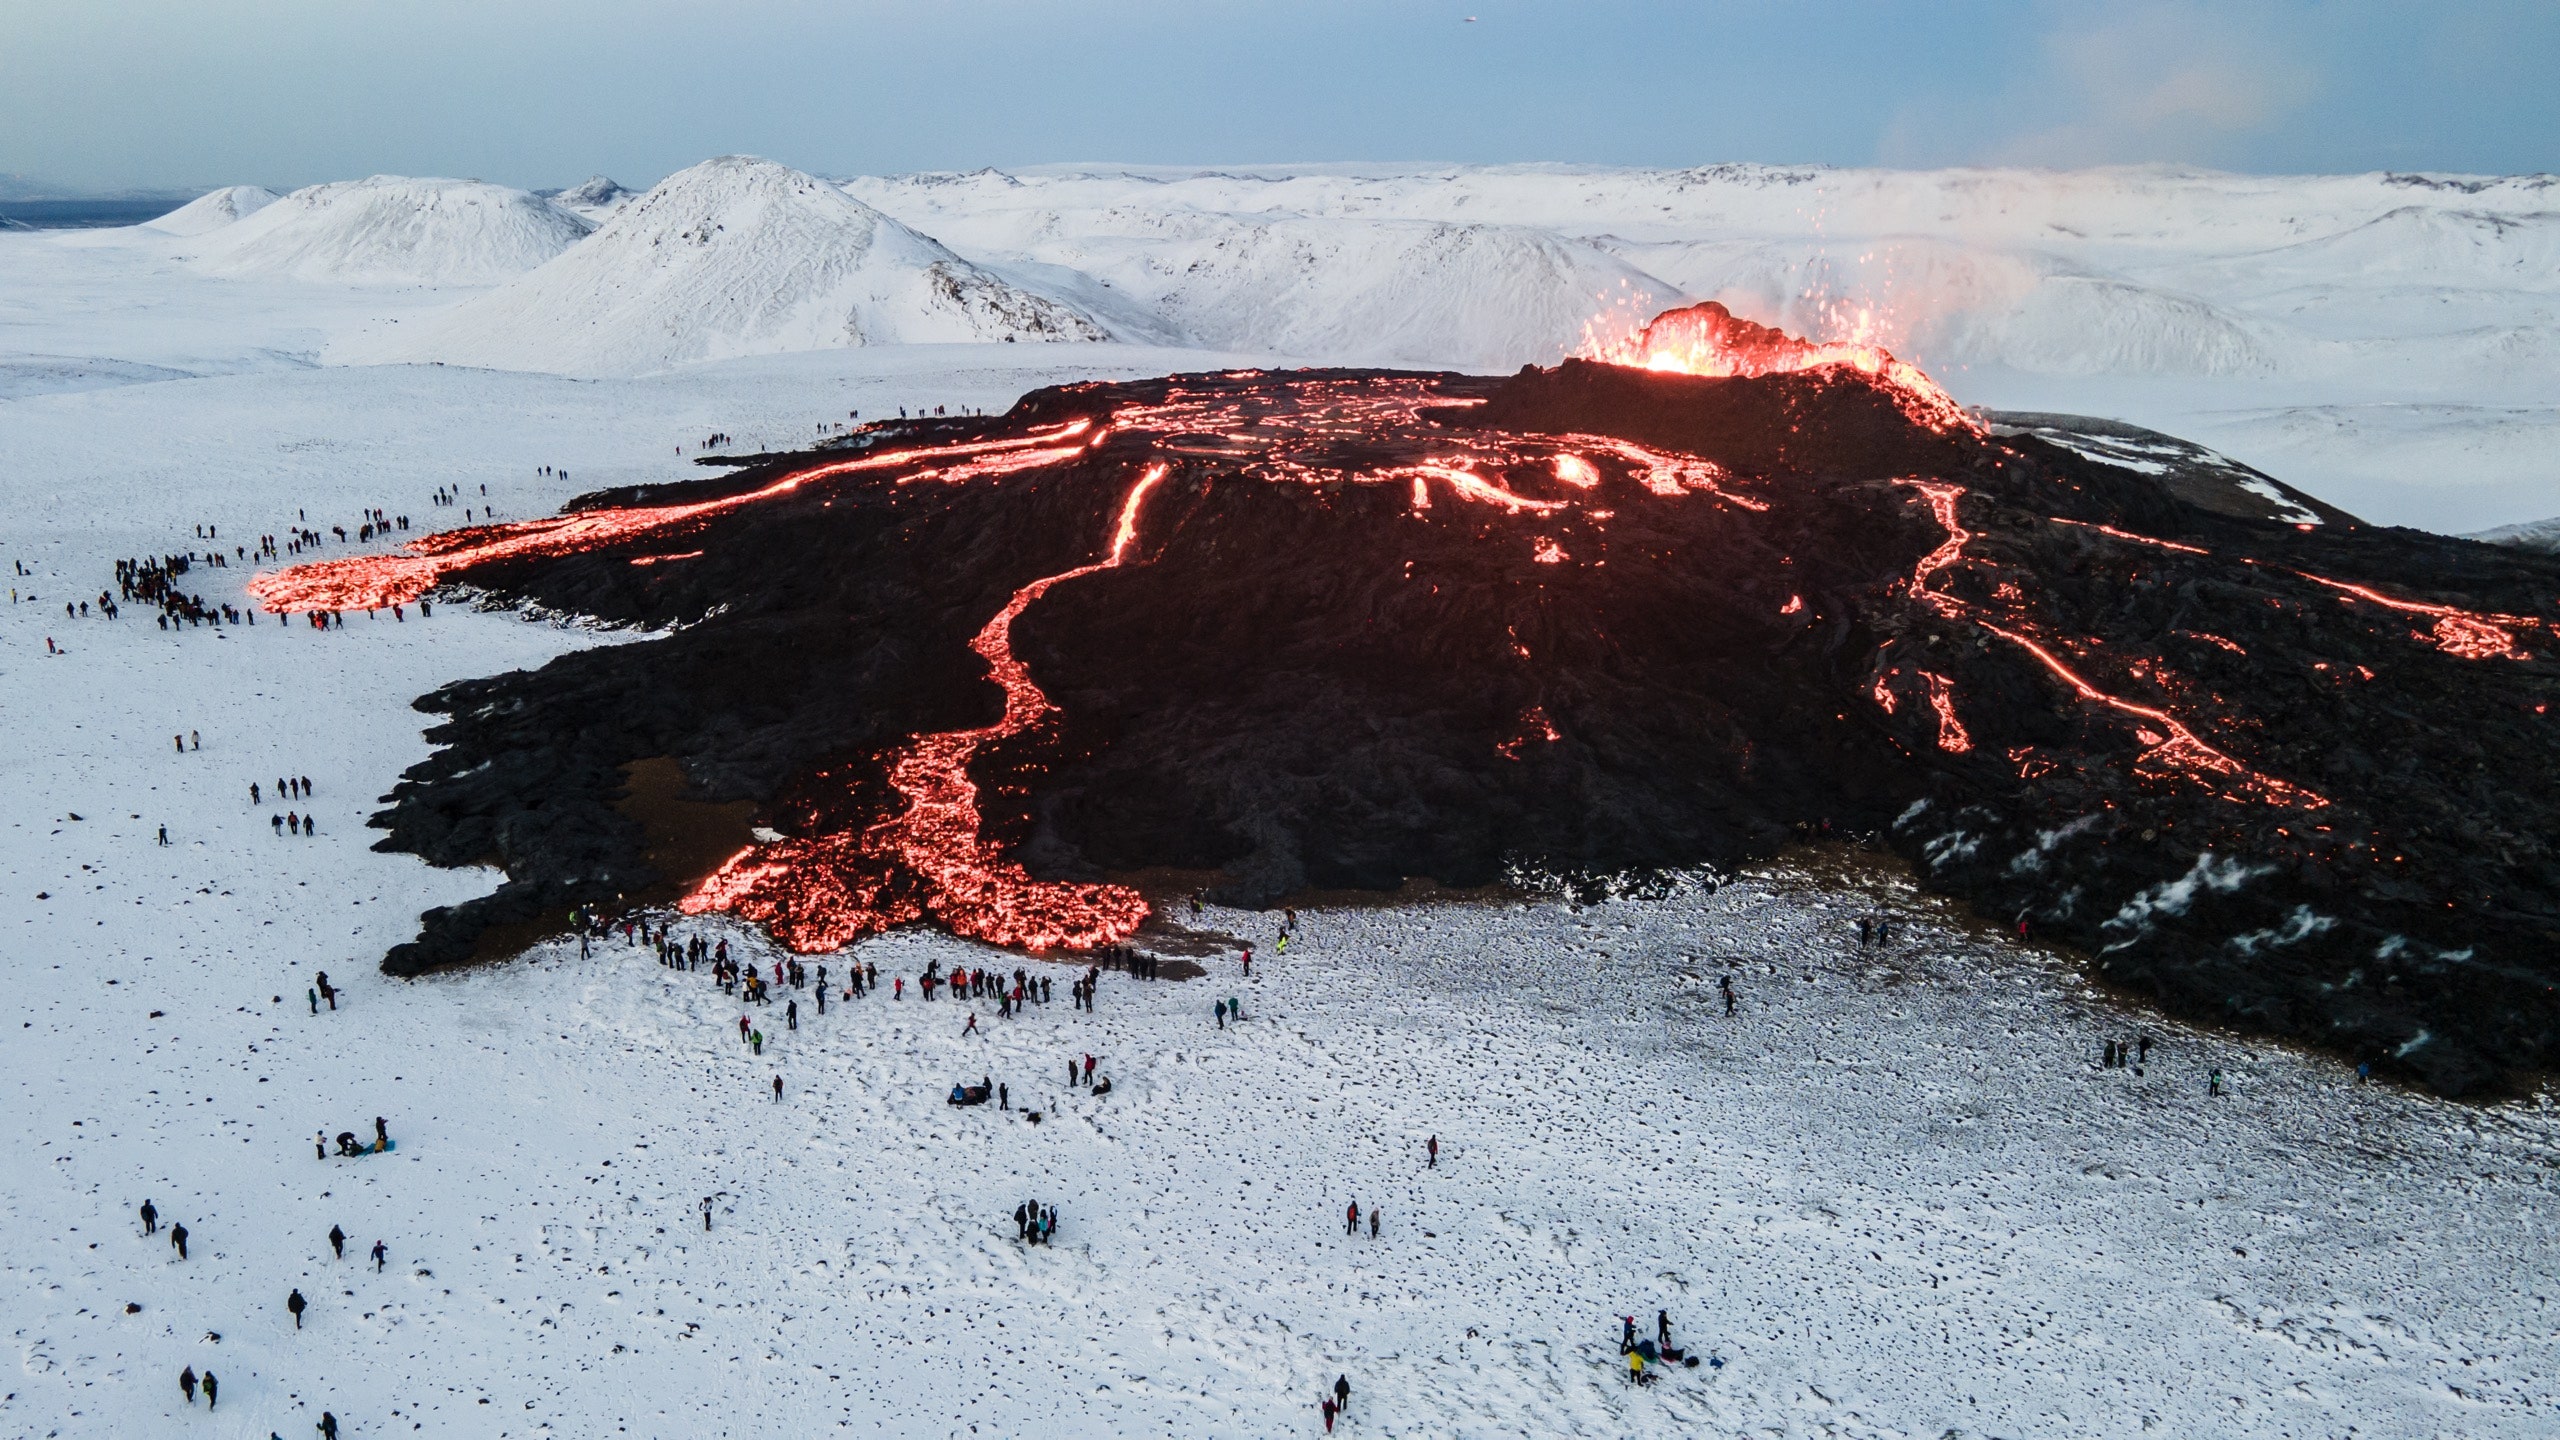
{"x":735,"y":256}
{"x":2140,"y":271}
{"x":393,"y":229}
{"x":215,"y":210}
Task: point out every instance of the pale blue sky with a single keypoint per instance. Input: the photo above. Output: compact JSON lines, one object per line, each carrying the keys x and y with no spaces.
{"x":163,"y":93}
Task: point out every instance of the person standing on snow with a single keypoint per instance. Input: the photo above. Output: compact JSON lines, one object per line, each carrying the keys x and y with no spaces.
{"x":1341,"y":1389}
{"x":187,"y":1383}
{"x":1222,"y":1014}
{"x":1351,"y":1219}
{"x":338,"y":1241}
{"x":296,"y":1304}
{"x":777,"y":1089}
{"x":150,"y":1218}
{"x":1433,"y":1149}
{"x":212,"y":1389}
{"x":178,"y":1240}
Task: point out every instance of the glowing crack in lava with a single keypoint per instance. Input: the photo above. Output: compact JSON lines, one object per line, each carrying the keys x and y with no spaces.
{"x":2172,"y":747}
{"x":2468,"y":634}
{"x":819,"y":893}
{"x":1707,"y":339}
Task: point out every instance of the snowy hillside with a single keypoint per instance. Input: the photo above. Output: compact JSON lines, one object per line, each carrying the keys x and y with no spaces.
{"x":736,"y":256}
{"x":393,"y":229}
{"x":215,"y":210}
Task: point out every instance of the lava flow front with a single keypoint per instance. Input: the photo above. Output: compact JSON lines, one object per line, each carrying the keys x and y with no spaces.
{"x":1664,"y":611}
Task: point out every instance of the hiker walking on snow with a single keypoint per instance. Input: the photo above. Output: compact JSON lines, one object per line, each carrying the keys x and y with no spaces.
{"x":1433,"y":1148}
{"x":972,"y":1027}
{"x":777,"y":1089}
{"x":1222,"y":1014}
{"x":212,"y":1389}
{"x":150,"y":1218}
{"x":1351,"y":1219}
{"x":1341,"y":1392}
{"x":380,"y":1253}
{"x":178,"y":1240}
{"x":338,"y":1241}
{"x":295,"y":1303}
{"x":187,"y":1383}
{"x":328,"y":1426}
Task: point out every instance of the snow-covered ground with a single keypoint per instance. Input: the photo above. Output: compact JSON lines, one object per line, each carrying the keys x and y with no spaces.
{"x":1894,"y":1195}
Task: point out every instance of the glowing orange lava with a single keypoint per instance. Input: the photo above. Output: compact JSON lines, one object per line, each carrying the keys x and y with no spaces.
{"x":2173,"y":747}
{"x":2469,"y":634}
{"x":370,"y":582}
{"x":819,"y":893}
{"x":1708,"y":339}
{"x":2136,"y":539}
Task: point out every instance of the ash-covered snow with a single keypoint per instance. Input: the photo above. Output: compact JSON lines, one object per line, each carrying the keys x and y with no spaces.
{"x":215,"y":209}
{"x":736,"y":256}
{"x":394,"y":230}
{"x":1894,"y":1194}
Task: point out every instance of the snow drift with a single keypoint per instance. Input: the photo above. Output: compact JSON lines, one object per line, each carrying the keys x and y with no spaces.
{"x":736,"y":256}
{"x":393,"y":229}
{"x":215,"y":210}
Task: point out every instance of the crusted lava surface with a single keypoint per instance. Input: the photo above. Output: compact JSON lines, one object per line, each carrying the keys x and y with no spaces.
{"x":1337,"y":629}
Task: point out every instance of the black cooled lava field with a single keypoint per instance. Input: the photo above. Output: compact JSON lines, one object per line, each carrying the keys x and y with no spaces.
{"x":1327,"y":629}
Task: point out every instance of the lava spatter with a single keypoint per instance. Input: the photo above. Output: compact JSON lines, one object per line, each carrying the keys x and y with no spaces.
{"x":1707,"y":339}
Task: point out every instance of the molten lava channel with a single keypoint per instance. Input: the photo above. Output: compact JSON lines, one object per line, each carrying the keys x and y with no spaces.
{"x":819,"y":893}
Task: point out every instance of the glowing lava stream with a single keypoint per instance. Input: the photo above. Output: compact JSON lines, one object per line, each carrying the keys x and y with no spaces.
{"x":2181,"y":748}
{"x":843,"y":884}
{"x":2457,"y":632}
{"x":369,"y":582}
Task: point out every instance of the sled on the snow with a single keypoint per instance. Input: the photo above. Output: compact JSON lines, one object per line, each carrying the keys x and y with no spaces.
{"x":349,"y":1149}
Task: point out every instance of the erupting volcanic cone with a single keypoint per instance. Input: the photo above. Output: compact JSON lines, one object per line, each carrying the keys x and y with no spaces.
{"x":1664,"y":609}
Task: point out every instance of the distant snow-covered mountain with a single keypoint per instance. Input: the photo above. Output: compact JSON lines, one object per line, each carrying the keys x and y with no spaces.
{"x":214,"y":210}
{"x":393,"y":229}
{"x":735,"y":256}
{"x":594,"y":197}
